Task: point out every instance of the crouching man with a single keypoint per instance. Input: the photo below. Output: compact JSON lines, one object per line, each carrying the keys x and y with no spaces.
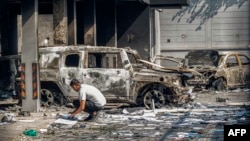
{"x":90,"y":98}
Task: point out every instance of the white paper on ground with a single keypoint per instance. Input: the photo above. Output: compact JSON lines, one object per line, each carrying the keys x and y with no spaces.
{"x":26,"y":120}
{"x":65,"y":121}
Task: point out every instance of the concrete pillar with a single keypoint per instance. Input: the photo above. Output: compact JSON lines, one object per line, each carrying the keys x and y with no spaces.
{"x":157,"y":35}
{"x":89,"y":22}
{"x":115,"y":38}
{"x":60,"y":22}
{"x":19,"y":34}
{"x":71,"y":15}
{"x":151,"y":33}
{"x":29,"y":56}
{"x":94,"y":26}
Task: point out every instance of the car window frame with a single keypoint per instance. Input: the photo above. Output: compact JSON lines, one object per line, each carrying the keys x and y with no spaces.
{"x":79,"y":60}
{"x":247,"y":58}
{"x":236,"y":57}
{"x":118,"y":65}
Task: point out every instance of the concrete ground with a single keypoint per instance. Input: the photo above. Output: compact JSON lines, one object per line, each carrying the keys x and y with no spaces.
{"x":200,"y":120}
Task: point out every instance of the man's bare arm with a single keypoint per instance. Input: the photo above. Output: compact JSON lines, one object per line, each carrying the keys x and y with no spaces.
{"x":80,"y":108}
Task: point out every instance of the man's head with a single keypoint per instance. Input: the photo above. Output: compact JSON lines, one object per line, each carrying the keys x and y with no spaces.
{"x":75,"y":84}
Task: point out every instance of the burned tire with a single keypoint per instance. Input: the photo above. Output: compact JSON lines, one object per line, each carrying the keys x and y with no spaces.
{"x":221,"y":84}
{"x":51,"y":97}
{"x":154,"y":96}
{"x":160,"y":94}
{"x":47,"y":98}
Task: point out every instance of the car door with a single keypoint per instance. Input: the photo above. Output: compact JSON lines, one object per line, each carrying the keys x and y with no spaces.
{"x":245,"y":63}
{"x":70,"y":69}
{"x":233,"y":71}
{"x":105,"y":71}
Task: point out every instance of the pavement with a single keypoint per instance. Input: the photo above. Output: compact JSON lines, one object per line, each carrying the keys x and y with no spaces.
{"x":201,"y":120}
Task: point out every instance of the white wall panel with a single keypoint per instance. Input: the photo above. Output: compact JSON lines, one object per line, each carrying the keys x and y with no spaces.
{"x":206,"y":24}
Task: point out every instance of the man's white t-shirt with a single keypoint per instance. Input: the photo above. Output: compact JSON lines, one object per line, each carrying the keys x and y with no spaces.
{"x":88,"y":92}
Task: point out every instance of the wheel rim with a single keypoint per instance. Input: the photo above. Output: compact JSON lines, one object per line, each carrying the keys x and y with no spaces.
{"x":157,"y":96}
{"x":47,"y":98}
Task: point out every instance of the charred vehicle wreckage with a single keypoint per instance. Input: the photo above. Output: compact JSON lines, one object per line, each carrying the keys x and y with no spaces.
{"x":119,"y":73}
{"x":123,"y":77}
{"x":220,"y":71}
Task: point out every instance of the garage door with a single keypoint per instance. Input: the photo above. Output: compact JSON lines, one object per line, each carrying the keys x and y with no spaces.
{"x":206,"y":25}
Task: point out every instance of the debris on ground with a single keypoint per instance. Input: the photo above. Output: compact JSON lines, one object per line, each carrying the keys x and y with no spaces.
{"x":202,"y":119}
{"x":218,"y":99}
{"x":30,"y":132}
{"x":9,"y":117}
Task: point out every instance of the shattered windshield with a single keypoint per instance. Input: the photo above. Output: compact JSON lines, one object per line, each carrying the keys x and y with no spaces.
{"x":203,"y":57}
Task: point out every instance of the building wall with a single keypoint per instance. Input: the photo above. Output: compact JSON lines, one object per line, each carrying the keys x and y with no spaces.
{"x":206,"y":25}
{"x":45,"y":30}
{"x":230,"y":27}
{"x":133,"y":28}
{"x":60,"y":22}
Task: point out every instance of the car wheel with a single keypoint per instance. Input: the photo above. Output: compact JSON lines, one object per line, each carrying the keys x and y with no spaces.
{"x":156,"y":96}
{"x":47,"y":98}
{"x":221,"y":84}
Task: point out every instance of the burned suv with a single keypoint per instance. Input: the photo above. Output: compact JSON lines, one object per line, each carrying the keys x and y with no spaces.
{"x":219,"y":71}
{"x":119,"y":73}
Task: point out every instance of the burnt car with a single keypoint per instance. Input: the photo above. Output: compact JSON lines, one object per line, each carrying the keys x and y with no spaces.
{"x":217,"y":69}
{"x":233,"y":71}
{"x":119,"y":73}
